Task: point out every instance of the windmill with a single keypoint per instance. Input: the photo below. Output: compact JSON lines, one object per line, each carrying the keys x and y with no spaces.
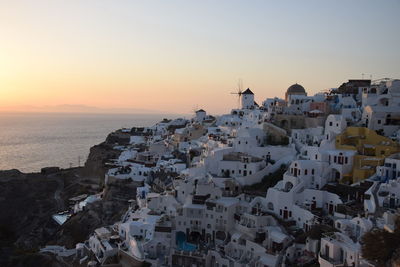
{"x":239,"y":91}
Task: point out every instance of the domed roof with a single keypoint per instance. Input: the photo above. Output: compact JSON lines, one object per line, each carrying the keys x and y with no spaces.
{"x":296,"y":88}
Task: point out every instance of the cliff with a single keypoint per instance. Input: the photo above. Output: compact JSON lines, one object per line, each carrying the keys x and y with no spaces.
{"x":28,"y":200}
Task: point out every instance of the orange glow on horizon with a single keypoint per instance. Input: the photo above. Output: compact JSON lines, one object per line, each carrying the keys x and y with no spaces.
{"x":176,"y":56}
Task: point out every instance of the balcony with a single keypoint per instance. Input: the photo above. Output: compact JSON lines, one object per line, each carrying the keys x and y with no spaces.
{"x":324,"y":260}
{"x":196,"y":228}
{"x":220,"y":227}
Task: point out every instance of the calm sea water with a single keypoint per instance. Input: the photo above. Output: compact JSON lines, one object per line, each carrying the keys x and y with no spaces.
{"x":29,"y":142}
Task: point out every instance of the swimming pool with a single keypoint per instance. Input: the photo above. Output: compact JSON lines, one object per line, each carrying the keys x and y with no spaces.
{"x":182,"y":244}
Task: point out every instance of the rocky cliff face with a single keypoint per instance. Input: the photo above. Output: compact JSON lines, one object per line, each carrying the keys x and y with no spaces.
{"x":100,"y":155}
{"x":27,"y":202}
{"x":100,"y":213}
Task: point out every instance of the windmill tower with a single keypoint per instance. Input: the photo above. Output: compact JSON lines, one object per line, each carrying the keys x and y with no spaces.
{"x":239,"y":92}
{"x":247,"y":99}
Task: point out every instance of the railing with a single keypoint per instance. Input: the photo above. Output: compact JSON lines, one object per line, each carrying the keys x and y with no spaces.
{"x":336,"y":263}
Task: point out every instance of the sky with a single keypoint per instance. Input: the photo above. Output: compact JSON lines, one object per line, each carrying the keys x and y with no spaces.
{"x":177,"y":56}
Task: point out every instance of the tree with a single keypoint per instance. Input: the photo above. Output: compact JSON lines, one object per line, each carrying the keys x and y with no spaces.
{"x":379,"y":246}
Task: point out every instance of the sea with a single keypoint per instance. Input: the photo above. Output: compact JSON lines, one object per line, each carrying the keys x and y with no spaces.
{"x":31,"y":141}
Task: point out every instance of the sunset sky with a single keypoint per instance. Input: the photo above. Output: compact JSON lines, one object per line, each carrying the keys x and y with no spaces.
{"x":174,"y":56}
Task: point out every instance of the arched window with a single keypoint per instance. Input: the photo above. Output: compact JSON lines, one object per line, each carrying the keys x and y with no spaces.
{"x":288,"y":186}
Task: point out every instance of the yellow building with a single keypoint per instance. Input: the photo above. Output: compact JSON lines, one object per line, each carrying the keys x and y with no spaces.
{"x":371,"y":149}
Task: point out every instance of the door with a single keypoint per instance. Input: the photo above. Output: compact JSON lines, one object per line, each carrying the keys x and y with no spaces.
{"x":285,"y":214}
{"x":330,"y":209}
{"x":313,"y":205}
{"x":327,"y":251}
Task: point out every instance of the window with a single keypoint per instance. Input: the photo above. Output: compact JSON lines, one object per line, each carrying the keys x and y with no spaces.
{"x":330,"y":123}
{"x":305,"y":172}
{"x":312,"y":171}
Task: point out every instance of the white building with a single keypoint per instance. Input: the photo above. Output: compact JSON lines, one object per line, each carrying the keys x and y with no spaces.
{"x":200,"y":115}
{"x":381,"y":107}
{"x":338,"y":249}
{"x":391,"y":169}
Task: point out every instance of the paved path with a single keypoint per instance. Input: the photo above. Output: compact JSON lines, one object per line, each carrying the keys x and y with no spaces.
{"x":57,"y":194}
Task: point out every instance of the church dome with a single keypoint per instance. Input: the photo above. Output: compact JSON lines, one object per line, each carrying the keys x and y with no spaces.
{"x":296,"y":89}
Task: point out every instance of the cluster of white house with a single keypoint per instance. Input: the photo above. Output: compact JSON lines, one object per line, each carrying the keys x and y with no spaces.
{"x":205,"y":214}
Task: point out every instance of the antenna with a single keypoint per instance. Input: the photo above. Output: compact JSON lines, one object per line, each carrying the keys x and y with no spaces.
{"x":239,"y":91}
